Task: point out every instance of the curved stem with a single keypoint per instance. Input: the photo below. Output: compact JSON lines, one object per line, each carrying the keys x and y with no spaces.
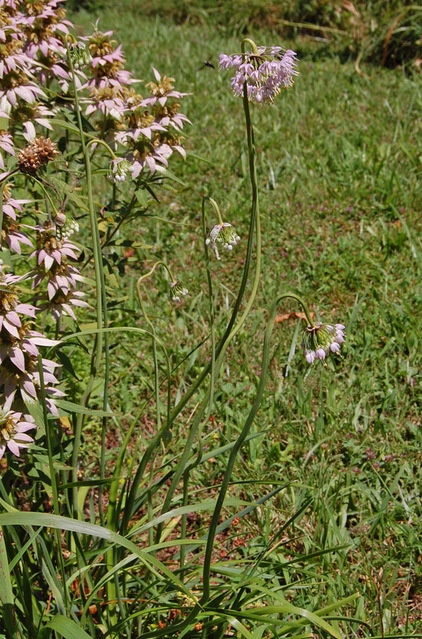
{"x":238,"y":444}
{"x":251,"y":43}
{"x":46,"y":193}
{"x":216,"y":208}
{"x":151,"y":325}
{"x":233,"y":328}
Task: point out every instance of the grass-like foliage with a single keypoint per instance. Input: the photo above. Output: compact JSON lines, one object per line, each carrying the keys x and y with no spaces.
{"x":191,"y":443}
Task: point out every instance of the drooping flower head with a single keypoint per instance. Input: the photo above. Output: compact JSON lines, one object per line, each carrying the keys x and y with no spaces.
{"x":177,"y":291}
{"x":321,"y":340}
{"x":223,"y":234}
{"x":263,"y":72}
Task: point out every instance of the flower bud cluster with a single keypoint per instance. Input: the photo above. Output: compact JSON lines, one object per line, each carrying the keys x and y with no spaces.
{"x":80,"y":55}
{"x":177,"y":291}
{"x":118,"y":170}
{"x":263,"y":74}
{"x":321,"y":340}
{"x":223,"y":234}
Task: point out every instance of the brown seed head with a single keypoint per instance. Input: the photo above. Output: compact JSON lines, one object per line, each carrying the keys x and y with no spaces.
{"x":37,"y":154}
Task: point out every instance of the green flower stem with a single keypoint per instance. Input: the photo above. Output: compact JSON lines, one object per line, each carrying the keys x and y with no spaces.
{"x":240,"y":441}
{"x":98,"y":349}
{"x":98,"y":261}
{"x":216,"y":209}
{"x":151,"y":325}
{"x":206,"y":586}
{"x":233,"y":329}
{"x":101,"y":301}
{"x":104,"y":144}
{"x":102,"y":321}
{"x":216,"y":362}
{"x":47,"y":195}
{"x":255,"y":217}
{"x":304,"y":306}
{"x":251,"y":43}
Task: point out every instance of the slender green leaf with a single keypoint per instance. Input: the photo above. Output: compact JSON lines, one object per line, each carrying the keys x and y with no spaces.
{"x":68,"y":628}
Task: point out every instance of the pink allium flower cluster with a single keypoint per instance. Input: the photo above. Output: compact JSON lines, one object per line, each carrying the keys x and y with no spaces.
{"x":264,"y":73}
{"x":321,"y":340}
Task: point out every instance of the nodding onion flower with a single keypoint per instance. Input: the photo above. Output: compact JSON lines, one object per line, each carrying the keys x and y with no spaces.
{"x":321,"y":340}
{"x":262,"y":72}
{"x":224,"y":234}
{"x":177,"y":291}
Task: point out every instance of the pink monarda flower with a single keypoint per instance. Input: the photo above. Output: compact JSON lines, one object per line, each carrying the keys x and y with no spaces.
{"x":13,"y":431}
{"x":321,"y":340}
{"x":108,"y":61}
{"x":7,"y":145}
{"x":108,"y":81}
{"x":44,"y":29}
{"x":262,"y":73}
{"x":11,"y":233}
{"x":19,"y":366}
{"x":53,"y":253}
{"x":15,"y":70}
{"x":153,"y":133}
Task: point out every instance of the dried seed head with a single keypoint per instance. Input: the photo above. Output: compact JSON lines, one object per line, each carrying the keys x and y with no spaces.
{"x":36,"y":155}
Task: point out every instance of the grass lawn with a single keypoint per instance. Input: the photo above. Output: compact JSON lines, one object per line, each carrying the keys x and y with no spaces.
{"x":339,"y":160}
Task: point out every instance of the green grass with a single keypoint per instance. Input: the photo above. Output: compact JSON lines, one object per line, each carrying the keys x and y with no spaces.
{"x":339,"y":163}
